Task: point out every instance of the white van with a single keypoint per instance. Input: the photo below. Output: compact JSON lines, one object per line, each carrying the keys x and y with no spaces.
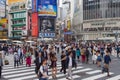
{"x":19,"y":43}
{"x":31,"y":43}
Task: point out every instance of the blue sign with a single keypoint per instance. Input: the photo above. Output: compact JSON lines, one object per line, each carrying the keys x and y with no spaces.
{"x":47,"y":35}
{"x":41,"y":2}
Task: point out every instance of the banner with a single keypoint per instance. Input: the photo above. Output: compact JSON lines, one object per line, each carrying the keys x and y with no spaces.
{"x":68,"y":25}
{"x":35,"y":24}
{"x":34,"y":5}
{"x":9,"y":2}
{"x":47,"y":27}
{"x":47,"y":8}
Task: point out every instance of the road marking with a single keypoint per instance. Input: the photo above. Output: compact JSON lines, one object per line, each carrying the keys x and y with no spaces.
{"x":93,"y":72}
{"x":74,"y":77}
{"x":114,"y":78}
{"x":60,"y":75}
{"x":97,"y":76}
{"x":12,"y":69}
{"x":25,"y":77}
{"x":18,"y":71}
{"x":17,"y":75}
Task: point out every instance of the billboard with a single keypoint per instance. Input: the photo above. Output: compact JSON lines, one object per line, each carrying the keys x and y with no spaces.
{"x":47,"y":27}
{"x":3,"y":23}
{"x":9,"y":2}
{"x":35,"y":24}
{"x":47,"y":8}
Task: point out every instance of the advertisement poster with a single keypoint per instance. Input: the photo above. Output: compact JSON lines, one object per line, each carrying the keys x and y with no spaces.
{"x":68,"y":24}
{"x":47,"y":27}
{"x":47,"y":8}
{"x":35,"y":25}
{"x":34,"y":5}
{"x":14,"y":1}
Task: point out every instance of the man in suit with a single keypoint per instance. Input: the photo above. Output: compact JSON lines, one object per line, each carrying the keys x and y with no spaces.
{"x":38,"y":62}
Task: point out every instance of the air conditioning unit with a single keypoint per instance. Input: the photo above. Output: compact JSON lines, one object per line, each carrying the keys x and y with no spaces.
{"x":24,"y":32}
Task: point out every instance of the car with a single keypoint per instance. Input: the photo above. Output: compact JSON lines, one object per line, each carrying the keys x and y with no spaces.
{"x":30,"y":43}
{"x":5,"y":41}
{"x":19,"y":43}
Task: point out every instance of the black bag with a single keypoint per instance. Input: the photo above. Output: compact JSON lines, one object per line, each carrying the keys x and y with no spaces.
{"x":6,"y":62}
{"x":40,"y":74}
{"x":104,"y":69}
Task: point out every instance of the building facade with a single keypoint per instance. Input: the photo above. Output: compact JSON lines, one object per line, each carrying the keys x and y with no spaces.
{"x":18,"y":19}
{"x":101,"y":18}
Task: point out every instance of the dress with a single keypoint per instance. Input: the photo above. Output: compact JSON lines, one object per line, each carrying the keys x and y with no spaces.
{"x":53,"y":63}
{"x":28,"y":59}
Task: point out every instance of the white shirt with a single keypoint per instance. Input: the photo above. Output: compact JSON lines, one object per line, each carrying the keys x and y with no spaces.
{"x":41,"y":70}
{"x":70,"y":61}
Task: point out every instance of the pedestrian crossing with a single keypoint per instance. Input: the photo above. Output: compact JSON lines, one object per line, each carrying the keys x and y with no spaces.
{"x":28,"y":73}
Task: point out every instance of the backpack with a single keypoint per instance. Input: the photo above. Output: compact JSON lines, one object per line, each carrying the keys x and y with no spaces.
{"x":16,"y":57}
{"x":39,"y":73}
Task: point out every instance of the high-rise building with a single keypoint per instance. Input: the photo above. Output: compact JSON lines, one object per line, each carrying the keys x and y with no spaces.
{"x":101,"y":18}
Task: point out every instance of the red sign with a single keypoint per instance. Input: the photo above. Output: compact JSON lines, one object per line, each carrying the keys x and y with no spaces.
{"x":35,"y":24}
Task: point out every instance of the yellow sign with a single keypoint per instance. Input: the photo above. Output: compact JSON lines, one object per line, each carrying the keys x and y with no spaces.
{"x":68,"y":24}
{"x":14,"y":1}
{"x":3,"y":20}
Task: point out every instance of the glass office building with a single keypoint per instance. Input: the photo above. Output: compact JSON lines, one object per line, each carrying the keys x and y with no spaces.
{"x":94,"y":9}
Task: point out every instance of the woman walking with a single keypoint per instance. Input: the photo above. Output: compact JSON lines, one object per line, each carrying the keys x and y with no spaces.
{"x":99,"y":58}
{"x":63,"y":62}
{"x":78,"y":54}
{"x":54,"y":65}
{"x":28,"y":58}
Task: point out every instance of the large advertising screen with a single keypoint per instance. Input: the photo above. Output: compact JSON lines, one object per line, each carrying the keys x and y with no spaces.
{"x":35,"y":24}
{"x":47,"y":8}
{"x":47,"y":27}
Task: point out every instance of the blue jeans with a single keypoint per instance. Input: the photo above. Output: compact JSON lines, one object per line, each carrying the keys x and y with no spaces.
{"x":43,"y":79}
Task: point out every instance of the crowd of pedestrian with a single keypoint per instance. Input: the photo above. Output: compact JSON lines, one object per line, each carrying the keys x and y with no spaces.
{"x":71,"y":54}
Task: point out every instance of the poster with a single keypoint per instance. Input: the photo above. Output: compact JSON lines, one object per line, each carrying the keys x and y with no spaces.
{"x":47,"y":27}
{"x":9,"y":2}
{"x":47,"y":24}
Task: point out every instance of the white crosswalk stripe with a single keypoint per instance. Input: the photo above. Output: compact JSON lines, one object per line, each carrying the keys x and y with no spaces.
{"x":114,"y":78}
{"x":28,"y":73}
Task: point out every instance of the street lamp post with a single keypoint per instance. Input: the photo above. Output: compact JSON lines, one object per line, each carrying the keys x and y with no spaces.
{"x":68,"y":2}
